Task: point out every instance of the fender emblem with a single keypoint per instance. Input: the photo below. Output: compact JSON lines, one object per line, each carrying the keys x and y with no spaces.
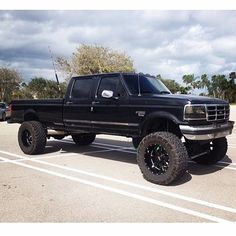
{"x":140,"y":113}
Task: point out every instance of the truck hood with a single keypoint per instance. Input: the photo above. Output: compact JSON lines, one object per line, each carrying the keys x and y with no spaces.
{"x":178,"y":99}
{"x":196,"y":99}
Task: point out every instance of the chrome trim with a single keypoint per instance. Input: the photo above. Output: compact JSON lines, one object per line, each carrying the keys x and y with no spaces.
{"x":207,"y":112}
{"x":102,"y":122}
{"x":208,"y":136}
{"x":114,"y":123}
{"x":212,"y":131}
{"x":226,"y":112}
{"x":55,"y":123}
{"x":71,"y":89}
{"x":203,"y":127}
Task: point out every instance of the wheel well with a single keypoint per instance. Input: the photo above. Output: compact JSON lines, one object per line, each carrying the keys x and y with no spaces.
{"x":162,"y":124}
{"x":30,"y":117}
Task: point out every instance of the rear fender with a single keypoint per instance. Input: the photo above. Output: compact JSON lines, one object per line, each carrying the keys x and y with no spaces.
{"x":30,"y":115}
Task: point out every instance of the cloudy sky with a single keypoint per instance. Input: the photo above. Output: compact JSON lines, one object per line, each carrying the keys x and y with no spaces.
{"x":170,"y":43}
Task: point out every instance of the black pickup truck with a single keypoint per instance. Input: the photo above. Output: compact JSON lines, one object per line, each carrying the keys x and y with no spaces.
{"x":166,"y":129}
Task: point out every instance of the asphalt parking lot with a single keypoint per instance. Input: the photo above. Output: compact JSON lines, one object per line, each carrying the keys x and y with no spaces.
{"x":102,"y":183}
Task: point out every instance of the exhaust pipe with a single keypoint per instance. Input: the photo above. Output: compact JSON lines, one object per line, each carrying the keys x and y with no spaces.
{"x":52,"y":132}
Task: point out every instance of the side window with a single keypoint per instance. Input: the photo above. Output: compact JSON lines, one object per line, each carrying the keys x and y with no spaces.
{"x":121,"y":91}
{"x":82,"y":88}
{"x":114,"y":84}
{"x":108,"y":83}
{"x":132,"y":83}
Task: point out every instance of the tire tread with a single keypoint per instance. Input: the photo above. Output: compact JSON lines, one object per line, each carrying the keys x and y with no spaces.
{"x":180,"y":156}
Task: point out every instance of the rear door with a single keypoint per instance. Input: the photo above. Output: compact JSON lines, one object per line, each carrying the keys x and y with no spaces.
{"x":77,"y":107}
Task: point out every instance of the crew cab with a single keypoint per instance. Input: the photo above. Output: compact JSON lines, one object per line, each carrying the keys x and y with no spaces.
{"x":166,"y":129}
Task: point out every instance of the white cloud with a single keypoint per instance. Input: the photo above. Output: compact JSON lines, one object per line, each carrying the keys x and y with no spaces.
{"x":170,"y":43}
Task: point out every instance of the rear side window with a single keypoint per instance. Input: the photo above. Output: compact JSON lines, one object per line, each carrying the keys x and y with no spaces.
{"x":82,"y":88}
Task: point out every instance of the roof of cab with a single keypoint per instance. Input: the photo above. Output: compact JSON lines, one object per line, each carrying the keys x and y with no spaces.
{"x":103,"y":74}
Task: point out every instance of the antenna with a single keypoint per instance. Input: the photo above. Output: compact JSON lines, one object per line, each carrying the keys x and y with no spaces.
{"x":51,"y":55}
{"x":139,"y":92}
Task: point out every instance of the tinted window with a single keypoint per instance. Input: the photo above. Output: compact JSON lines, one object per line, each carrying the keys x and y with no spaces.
{"x":2,"y":105}
{"x":132,"y":83}
{"x":148,"y":84}
{"x":107,"y":83}
{"x":82,"y":88}
{"x":121,"y":92}
{"x":113,"y":84}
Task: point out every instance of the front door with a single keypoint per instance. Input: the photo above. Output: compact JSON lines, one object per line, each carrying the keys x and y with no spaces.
{"x":111,"y":114}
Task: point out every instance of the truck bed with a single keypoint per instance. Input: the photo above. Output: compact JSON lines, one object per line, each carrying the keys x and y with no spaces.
{"x":48,"y":111}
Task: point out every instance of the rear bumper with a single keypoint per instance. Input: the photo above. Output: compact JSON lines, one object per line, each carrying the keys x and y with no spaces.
{"x":207,"y":132}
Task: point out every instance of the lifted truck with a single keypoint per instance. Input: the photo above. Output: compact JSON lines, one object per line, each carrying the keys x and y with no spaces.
{"x":166,"y":129}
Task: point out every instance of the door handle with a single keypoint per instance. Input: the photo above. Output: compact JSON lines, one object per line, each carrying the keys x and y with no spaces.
{"x":69,"y":102}
{"x":95,"y":102}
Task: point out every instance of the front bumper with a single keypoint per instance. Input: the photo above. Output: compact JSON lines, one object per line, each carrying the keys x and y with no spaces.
{"x":207,"y":132}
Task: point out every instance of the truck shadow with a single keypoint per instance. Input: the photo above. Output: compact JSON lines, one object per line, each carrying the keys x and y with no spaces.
{"x":96,"y":150}
{"x":197,"y":169}
{"x":124,"y":152}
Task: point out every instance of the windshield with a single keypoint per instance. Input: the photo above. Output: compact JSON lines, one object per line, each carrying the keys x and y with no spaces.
{"x":148,"y":85}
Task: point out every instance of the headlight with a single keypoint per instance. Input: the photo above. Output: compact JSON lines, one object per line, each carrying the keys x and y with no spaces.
{"x":195,"y":112}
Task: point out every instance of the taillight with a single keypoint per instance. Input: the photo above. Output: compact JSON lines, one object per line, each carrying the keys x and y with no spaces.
{"x":10,"y":108}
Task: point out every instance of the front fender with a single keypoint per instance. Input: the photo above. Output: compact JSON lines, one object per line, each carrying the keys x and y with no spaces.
{"x":155,"y":116}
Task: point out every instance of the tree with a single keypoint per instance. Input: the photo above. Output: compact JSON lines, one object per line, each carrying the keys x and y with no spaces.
{"x":219,"y":85}
{"x":204,"y":82}
{"x":191,"y":82}
{"x":22,"y":92}
{"x":42,"y":88}
{"x":37,"y":87}
{"x":173,"y":86}
{"x":9,"y":82}
{"x":92,"y":59}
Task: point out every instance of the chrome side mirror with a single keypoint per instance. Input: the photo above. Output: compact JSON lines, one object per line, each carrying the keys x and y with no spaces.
{"x":107,"y":94}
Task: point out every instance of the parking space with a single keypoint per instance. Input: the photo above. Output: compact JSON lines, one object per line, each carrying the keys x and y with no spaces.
{"x":102,"y":183}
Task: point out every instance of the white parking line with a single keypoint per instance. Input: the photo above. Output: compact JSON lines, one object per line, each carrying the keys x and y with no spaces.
{"x":98,"y":151}
{"x":174,"y":195}
{"x":217,"y":165}
{"x":122,"y":192}
{"x":225,"y":162}
{"x":57,"y":155}
{"x":225,"y":167}
{"x":232,"y":145}
{"x":117,"y":146}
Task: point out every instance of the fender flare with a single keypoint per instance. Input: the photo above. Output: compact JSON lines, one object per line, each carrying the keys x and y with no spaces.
{"x":30,"y":112}
{"x":157,"y":115}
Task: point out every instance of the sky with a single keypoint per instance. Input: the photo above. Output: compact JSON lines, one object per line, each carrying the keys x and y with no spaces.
{"x":169,"y":43}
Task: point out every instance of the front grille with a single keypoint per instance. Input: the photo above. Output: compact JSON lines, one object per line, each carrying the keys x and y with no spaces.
{"x":217,"y":112}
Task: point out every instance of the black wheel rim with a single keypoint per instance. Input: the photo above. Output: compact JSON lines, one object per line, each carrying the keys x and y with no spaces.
{"x":156,"y":159}
{"x":27,"y":138}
